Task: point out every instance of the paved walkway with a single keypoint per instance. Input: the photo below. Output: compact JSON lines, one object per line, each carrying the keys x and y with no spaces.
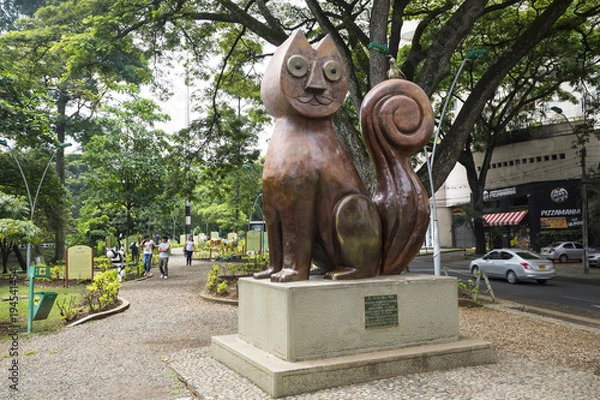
{"x":123,"y":356}
{"x":168,"y":325}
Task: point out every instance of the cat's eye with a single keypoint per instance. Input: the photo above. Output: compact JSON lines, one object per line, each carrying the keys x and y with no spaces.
{"x":332,"y":70}
{"x":297,"y":66}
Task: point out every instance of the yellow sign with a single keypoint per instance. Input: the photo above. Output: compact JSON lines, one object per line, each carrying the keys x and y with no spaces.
{"x":36,"y":300}
{"x":80,"y":263}
{"x":553,"y":223}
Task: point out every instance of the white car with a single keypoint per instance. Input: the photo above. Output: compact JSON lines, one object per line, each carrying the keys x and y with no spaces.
{"x":563,"y":251}
{"x":594,"y":258}
{"x":514,"y":265}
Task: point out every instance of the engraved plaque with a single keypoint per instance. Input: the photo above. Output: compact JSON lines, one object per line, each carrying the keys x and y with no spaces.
{"x":80,"y":263}
{"x":381,"y":311}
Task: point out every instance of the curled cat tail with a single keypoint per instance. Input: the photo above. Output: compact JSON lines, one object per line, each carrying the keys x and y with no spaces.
{"x":397,"y":121}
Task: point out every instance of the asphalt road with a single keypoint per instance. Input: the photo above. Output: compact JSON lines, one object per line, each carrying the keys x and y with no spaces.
{"x":574,"y":301}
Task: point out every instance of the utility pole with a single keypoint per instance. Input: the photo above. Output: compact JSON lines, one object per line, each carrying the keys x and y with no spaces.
{"x":584,"y":206}
{"x":584,"y":210}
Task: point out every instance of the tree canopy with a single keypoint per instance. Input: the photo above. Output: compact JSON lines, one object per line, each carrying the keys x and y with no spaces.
{"x":237,"y":34}
{"x":65,"y":62}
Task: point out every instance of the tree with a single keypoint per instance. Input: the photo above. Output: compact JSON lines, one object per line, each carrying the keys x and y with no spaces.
{"x":127,"y":163}
{"x":564,"y":57}
{"x":33,"y":163}
{"x":226,"y":197}
{"x":13,"y":229}
{"x":443,"y":35}
{"x":227,"y":41}
{"x":11,"y":10}
{"x":66,"y":60}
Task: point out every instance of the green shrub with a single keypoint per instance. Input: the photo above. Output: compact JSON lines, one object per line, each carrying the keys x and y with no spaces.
{"x":57,"y":272}
{"x":213,"y":278}
{"x":466,"y":289}
{"x":100,"y":247}
{"x":103,"y":292}
{"x":255,"y":263}
{"x":222,"y":287}
{"x":68,"y":309}
{"x":102,"y":263}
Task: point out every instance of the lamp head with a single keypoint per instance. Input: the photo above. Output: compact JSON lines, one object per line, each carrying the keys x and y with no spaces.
{"x":3,"y":142}
{"x":557,"y":110}
{"x":475,"y":54}
{"x":63,"y":145}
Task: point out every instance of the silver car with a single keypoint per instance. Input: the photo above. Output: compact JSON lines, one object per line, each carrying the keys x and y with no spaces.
{"x":563,"y":251}
{"x":594,"y":258}
{"x":514,"y":265}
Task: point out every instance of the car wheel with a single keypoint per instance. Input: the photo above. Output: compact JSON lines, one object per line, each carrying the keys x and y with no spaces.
{"x":475,"y":271}
{"x":563,"y":258}
{"x":542,"y":281}
{"x":511,"y":277}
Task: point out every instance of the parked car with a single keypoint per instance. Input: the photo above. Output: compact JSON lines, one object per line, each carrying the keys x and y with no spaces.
{"x":514,"y":265}
{"x":563,"y":251}
{"x":594,"y":258}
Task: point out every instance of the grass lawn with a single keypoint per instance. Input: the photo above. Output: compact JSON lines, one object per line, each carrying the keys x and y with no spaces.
{"x":54,"y":320}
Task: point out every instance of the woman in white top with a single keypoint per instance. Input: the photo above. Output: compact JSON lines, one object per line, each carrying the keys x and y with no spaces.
{"x":147,"y":245}
{"x":189,"y":250}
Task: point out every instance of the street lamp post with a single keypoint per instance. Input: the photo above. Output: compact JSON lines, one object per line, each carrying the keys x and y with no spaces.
{"x":472,"y":55}
{"x":32,"y":203}
{"x":584,"y":201}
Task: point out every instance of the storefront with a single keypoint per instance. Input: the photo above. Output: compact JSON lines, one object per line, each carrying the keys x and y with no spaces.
{"x":533,"y":215}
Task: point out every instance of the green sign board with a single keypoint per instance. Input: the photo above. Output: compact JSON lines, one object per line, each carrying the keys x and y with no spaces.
{"x":253,"y":241}
{"x":381,"y":311}
{"x":41,"y":271}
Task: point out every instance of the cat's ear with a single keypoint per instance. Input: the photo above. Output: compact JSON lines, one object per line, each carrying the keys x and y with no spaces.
{"x":326,"y":47}
{"x":296,"y":42}
{"x":297,"y":39}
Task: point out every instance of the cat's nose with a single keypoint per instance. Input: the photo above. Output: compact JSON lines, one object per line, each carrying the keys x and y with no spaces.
{"x":316,"y":80}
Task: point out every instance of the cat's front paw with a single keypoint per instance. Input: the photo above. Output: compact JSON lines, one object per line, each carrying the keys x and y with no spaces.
{"x":264,"y":274}
{"x":287,"y":275}
{"x":345,"y":273}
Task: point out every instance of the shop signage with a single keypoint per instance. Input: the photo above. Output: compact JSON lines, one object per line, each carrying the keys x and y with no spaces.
{"x":554,"y":223}
{"x":498,"y":194}
{"x":560,"y":212}
{"x":559,"y":195}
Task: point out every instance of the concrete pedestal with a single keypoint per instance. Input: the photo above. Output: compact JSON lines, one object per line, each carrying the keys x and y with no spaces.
{"x":304,"y":336}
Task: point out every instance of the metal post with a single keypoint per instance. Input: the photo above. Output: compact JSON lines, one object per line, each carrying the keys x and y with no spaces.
{"x":435,"y":233}
{"x":584,"y":211}
{"x":584,"y":200}
{"x":188,"y":218}
{"x":30,"y":269}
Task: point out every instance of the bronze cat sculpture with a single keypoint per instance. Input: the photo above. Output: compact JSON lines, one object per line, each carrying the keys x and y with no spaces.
{"x":317,"y":209}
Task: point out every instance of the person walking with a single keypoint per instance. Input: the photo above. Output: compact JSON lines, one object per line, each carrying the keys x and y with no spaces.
{"x":163,"y":257}
{"x":189,"y":250}
{"x":135,"y":254}
{"x":147,"y":245}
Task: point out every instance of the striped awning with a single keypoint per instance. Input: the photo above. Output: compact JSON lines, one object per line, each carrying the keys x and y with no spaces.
{"x":507,"y":218}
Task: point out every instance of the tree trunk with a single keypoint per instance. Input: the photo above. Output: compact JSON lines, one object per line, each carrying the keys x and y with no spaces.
{"x":479,"y":232}
{"x":379,"y":35}
{"x":352,"y":141}
{"x":20,"y":259}
{"x":5,"y":253}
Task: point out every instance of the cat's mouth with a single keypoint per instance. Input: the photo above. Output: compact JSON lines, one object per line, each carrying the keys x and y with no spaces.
{"x":315,"y":100}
